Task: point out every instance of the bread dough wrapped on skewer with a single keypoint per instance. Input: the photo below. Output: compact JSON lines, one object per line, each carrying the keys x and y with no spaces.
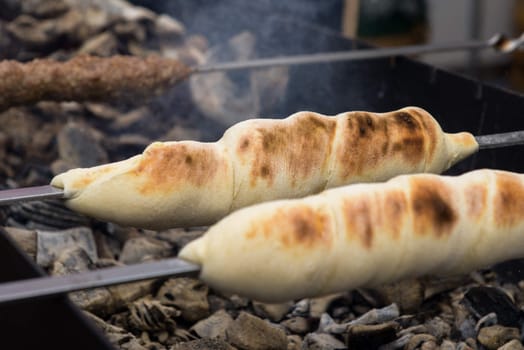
{"x":364,"y":235}
{"x":191,"y":183}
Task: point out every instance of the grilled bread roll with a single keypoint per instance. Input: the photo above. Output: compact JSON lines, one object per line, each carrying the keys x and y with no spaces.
{"x":191,"y":183}
{"x":364,"y":235}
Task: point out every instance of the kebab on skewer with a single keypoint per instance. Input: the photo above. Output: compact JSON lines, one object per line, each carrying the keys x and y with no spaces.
{"x":364,"y":235}
{"x":190,"y":183}
{"x":92,"y":78}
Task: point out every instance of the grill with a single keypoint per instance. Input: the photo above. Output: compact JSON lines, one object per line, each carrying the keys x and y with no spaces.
{"x":458,"y":102}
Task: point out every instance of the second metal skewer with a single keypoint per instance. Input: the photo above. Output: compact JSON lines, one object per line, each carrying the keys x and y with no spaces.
{"x":498,"y":42}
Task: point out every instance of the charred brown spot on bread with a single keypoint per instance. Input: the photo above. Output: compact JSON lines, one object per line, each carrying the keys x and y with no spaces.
{"x":298,"y":147}
{"x":166,"y":167}
{"x":476,"y":196}
{"x":365,"y":124}
{"x":308,"y":227}
{"x":297,"y":226}
{"x":304,"y":229}
{"x":264,"y":171}
{"x":430,"y":127}
{"x":408,"y":145}
{"x":364,"y":142}
{"x":385,"y":141}
{"x":433,"y":212}
{"x":407,"y":137}
{"x":509,"y":203}
{"x":358,"y":220}
{"x":406,"y":120}
{"x":370,"y":140}
{"x":244,"y":144}
{"x":395,"y":205}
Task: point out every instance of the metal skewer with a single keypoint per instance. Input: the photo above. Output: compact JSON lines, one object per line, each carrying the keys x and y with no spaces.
{"x":513,"y":138}
{"x":30,"y":194}
{"x":41,"y":287}
{"x":497,"y":42}
{"x":491,"y":141}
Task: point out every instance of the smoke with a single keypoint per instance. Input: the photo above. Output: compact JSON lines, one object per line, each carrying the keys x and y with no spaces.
{"x":220,"y":20}
{"x":280,"y":28}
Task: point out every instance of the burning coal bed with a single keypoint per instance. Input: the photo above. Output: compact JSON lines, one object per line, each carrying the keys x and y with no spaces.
{"x":479,"y":311}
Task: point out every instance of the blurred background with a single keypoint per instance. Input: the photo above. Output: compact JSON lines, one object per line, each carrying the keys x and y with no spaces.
{"x":381,"y":22}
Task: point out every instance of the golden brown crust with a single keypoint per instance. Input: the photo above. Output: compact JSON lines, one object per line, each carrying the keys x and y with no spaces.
{"x":368,"y":140}
{"x":431,"y":129}
{"x":297,"y":148}
{"x":395,"y":207}
{"x":508,"y":202}
{"x":167,"y":167}
{"x":360,"y":146}
{"x":358,"y":220}
{"x":298,"y":226}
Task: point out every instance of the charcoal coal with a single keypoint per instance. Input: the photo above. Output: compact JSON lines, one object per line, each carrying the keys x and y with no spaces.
{"x":273,"y":312}
{"x":104,"y":45}
{"x":421,"y":341}
{"x":140,"y":249}
{"x":249,"y":332}
{"x":26,"y":239}
{"x":321,"y":341}
{"x":202,"y":344}
{"x":494,"y":337}
{"x":47,"y":215}
{"x":490,"y":319}
{"x":71,"y":260}
{"x":484,"y":300}
{"x":382,"y":315}
{"x":370,"y":336}
{"x":99,"y":301}
{"x":214,"y":326}
{"x":318,"y":306}
{"x":408,"y":295}
{"x":47,"y":33}
{"x":50,"y":244}
{"x":119,"y":337}
{"x":179,"y":237}
{"x":44,"y":8}
{"x":123,"y":294}
{"x":297,"y":325}
{"x":147,"y":314}
{"x":186,"y":294}
{"x":512,"y":345}
{"x":79,"y":146}
{"x":447,"y":345}
{"x":301,"y":308}
{"x":437,"y":327}
{"x":107,"y":246}
{"x":168,"y":27}
{"x":511,"y":271}
{"x":294,"y":342}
